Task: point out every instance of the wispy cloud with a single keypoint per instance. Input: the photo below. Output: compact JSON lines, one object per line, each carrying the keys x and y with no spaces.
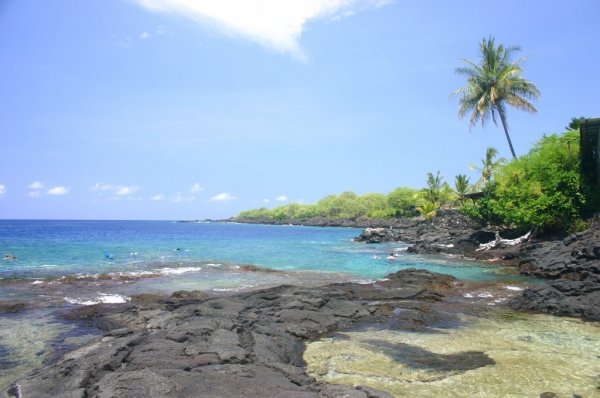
{"x":36,"y":188}
{"x":124,"y":42}
{"x":2,"y":189}
{"x":266,"y":201}
{"x":125,"y":190}
{"x":275,"y":24}
{"x":196,"y":188}
{"x":101,"y":187}
{"x":116,"y":190}
{"x":281,"y":198}
{"x":145,"y":35}
{"x":179,"y":198}
{"x":158,"y":197}
{"x":59,"y":190}
{"x":223,"y":197}
{"x":36,"y":185}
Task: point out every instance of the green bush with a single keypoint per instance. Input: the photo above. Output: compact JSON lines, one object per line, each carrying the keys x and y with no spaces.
{"x":542,"y":189}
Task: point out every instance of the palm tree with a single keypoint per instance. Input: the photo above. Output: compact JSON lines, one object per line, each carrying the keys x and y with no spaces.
{"x":494,"y":83}
{"x":489,"y":165}
{"x":461,"y":184}
{"x":428,"y":210}
{"x":434,"y":187}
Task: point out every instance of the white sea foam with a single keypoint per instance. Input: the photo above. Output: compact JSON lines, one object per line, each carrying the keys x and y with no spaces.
{"x":37,"y":282}
{"x":113,"y":298}
{"x":80,"y":301}
{"x":468,"y":295}
{"x":132,"y":273}
{"x":515,"y":288}
{"x":363,"y":281}
{"x":232,"y":289}
{"x":213,"y":265}
{"x":485,"y":295}
{"x":178,"y":271}
{"x":101,"y":298}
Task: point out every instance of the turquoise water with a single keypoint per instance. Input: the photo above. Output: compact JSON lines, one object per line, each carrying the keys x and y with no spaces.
{"x":51,"y":249}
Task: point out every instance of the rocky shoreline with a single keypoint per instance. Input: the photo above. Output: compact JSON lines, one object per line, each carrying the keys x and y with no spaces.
{"x":245,"y":345}
{"x":570,"y":265}
{"x":251,"y":344}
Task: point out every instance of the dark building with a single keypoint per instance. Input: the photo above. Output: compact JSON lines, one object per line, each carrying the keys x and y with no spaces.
{"x":590,"y":149}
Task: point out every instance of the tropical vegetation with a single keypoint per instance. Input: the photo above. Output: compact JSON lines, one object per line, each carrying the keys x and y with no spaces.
{"x":492,"y":84}
{"x":543,"y":189}
{"x":489,"y":166}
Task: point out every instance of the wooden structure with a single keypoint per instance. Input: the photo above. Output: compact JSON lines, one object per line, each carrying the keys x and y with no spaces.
{"x":590,"y":149}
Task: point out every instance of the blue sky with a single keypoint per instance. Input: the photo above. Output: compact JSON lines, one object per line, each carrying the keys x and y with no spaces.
{"x":175,"y":109}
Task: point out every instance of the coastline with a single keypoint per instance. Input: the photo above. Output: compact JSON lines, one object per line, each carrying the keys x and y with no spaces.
{"x":568,"y":267}
{"x":243,"y":345}
{"x":254,"y":344}
{"x":415,"y":300}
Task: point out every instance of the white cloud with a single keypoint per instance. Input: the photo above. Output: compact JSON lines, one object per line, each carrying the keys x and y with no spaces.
{"x":116,"y":190}
{"x":125,"y":190}
{"x":2,"y":189}
{"x":223,"y":197}
{"x":266,"y":201}
{"x":36,"y":185}
{"x":34,"y":194}
{"x":178,"y":198}
{"x":281,"y":198}
{"x":276,"y":24}
{"x":158,"y":197}
{"x":196,"y":188}
{"x":59,"y":190}
{"x":101,"y":187}
{"x":145,"y":35}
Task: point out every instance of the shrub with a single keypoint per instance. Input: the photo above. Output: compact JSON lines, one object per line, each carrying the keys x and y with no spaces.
{"x":542,"y":189}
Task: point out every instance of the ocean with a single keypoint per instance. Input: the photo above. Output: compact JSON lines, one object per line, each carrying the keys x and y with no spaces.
{"x":49,"y":249}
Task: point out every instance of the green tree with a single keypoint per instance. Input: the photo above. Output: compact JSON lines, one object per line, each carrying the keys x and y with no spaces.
{"x":402,"y":201}
{"x":489,"y":165}
{"x":492,"y":84}
{"x":575,"y":123}
{"x":543,"y":188}
{"x":434,"y":187}
{"x":461,"y":184}
{"x":428,"y":210}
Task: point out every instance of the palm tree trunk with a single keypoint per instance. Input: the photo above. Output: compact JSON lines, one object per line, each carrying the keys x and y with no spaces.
{"x":503,"y":120}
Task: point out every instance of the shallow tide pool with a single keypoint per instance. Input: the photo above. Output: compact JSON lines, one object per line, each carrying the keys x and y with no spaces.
{"x":508,"y":355}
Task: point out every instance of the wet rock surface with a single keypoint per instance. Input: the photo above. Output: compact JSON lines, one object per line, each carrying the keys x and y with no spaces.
{"x":245,"y":345}
{"x":574,"y":264}
{"x":450,"y":232}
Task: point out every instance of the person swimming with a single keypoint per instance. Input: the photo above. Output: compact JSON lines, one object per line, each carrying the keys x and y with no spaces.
{"x":391,"y":257}
{"x":9,"y":257}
